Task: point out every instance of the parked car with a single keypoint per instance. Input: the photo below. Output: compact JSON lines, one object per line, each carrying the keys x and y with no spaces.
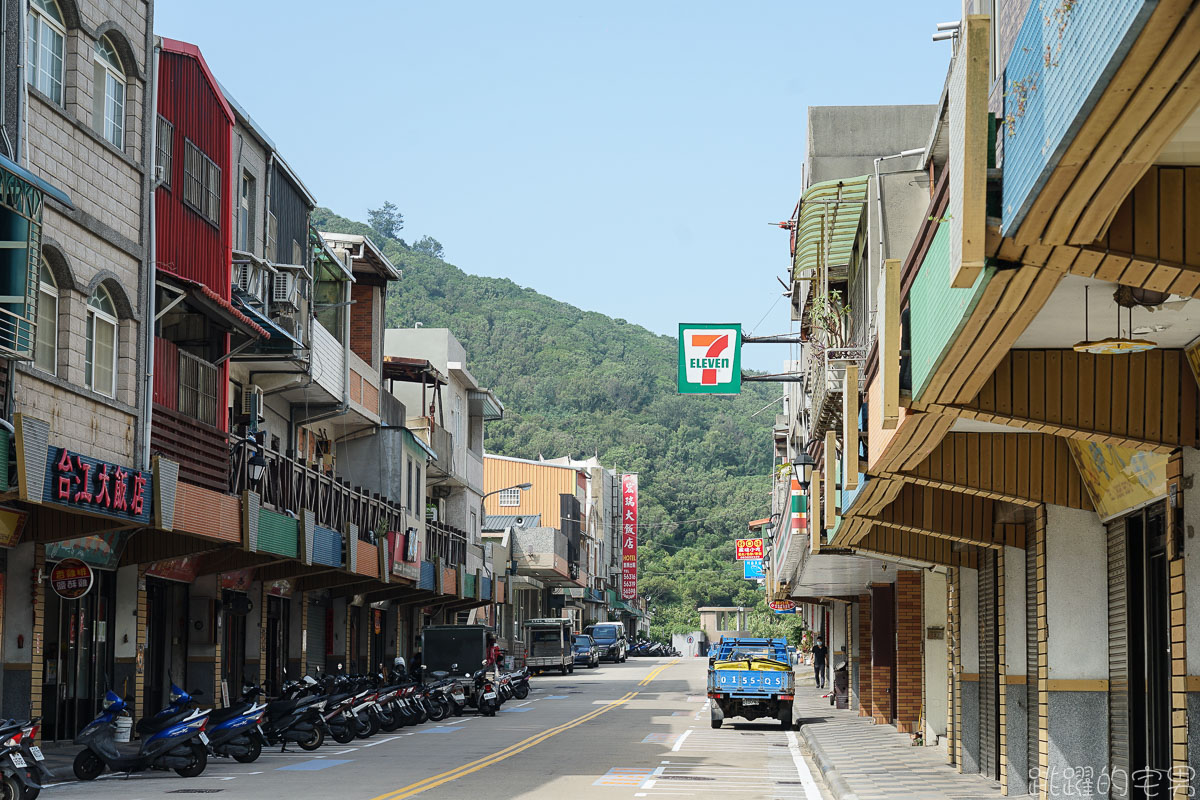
{"x":610,"y":638}
{"x":584,"y":648}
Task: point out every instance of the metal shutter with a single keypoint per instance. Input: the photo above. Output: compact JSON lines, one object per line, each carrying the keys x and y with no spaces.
{"x":1032,"y":674}
{"x":1118,"y":657}
{"x":989,"y":695}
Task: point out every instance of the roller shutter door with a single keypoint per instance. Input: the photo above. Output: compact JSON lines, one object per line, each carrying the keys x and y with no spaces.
{"x":1032,"y":684}
{"x":1118,"y":657}
{"x":989,"y":695}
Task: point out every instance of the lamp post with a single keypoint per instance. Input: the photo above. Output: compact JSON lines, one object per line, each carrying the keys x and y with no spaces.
{"x":524,"y":487}
{"x":803,"y":467}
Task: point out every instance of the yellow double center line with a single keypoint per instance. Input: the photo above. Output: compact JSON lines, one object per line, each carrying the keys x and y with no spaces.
{"x":500,"y":755}
{"x":654,"y":673}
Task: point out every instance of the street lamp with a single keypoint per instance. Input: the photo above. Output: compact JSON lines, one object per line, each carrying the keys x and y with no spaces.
{"x":802,"y":467}
{"x":258,"y":465}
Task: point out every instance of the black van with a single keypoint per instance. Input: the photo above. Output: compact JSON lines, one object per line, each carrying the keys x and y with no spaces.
{"x":610,"y":638}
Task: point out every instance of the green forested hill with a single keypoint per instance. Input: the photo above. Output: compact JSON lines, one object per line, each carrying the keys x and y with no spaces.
{"x":580,"y":383}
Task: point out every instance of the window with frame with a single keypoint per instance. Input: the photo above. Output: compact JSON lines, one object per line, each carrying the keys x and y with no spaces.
{"x":409,"y":485}
{"x":272,"y":237}
{"x":246,"y":213}
{"x":201,"y":183}
{"x":100,"y":351}
{"x":44,"y":47}
{"x":164,"y":148}
{"x":45,"y":349}
{"x":109,"y":93}
{"x":510,"y":498}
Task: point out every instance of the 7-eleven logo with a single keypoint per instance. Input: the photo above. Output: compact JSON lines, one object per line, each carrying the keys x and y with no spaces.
{"x":709,"y":356}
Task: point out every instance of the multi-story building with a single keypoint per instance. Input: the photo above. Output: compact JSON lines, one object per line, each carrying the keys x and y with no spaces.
{"x":1004,"y":483}
{"x":76,"y":169}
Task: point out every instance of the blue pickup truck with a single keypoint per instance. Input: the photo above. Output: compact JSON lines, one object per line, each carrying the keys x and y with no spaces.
{"x":751,"y":678}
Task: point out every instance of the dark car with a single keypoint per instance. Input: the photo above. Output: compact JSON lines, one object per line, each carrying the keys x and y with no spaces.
{"x":585,"y":651}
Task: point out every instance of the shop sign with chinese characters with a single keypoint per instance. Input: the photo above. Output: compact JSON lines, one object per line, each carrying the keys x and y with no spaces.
{"x":749,"y":548}
{"x":71,"y":579}
{"x":629,"y":543}
{"x":96,"y":487}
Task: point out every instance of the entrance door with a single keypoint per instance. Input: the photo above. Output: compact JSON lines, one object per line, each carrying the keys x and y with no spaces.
{"x":233,"y":643}
{"x":166,"y":640}
{"x":277,"y":641}
{"x":78,"y":657}
{"x":378,"y":641}
{"x":354,"y":641}
{"x":1139,"y":655}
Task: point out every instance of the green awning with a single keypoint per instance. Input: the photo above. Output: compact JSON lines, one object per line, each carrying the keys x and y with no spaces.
{"x":830,"y":213}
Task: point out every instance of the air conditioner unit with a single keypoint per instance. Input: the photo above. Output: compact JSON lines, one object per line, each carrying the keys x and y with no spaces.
{"x":252,"y":403}
{"x":283,"y":288}
{"x":241,"y":276}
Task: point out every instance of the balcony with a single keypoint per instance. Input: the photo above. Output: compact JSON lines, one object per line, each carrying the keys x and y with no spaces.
{"x":290,"y":485}
{"x":826,"y":372}
{"x":442,"y":443}
{"x":542,"y":553}
{"x":474,"y":474}
{"x":328,"y":363}
{"x":445,"y":542}
{"x":184,"y":423}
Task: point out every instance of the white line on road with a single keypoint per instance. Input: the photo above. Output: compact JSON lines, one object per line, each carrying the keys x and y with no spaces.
{"x":382,"y":741}
{"x":681,"y":740}
{"x":806,"y":778}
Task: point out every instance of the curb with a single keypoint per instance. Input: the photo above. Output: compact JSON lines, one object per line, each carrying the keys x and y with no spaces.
{"x":832,"y":777}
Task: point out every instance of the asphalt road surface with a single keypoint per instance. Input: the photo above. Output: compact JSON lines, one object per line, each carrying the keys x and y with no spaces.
{"x":632,"y":730}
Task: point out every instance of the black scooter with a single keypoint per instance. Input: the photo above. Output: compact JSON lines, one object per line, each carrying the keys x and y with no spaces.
{"x":22,"y":767}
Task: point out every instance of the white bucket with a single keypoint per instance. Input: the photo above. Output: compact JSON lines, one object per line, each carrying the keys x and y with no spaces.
{"x":124,"y":728}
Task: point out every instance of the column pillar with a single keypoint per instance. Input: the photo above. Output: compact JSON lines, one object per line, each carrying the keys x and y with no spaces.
{"x":968,"y":665}
{"x":883,"y":650}
{"x":864,"y":656}
{"x":303,"y":596}
{"x":1015,"y":681}
{"x":141,"y":673}
{"x":909,"y":650}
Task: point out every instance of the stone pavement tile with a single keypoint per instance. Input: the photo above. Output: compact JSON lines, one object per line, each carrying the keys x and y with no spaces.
{"x":874,"y":762}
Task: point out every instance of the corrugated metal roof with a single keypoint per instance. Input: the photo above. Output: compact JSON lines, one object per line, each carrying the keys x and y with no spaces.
{"x":498,"y":522}
{"x":830,"y":213}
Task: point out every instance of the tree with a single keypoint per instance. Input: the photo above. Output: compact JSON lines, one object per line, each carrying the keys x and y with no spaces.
{"x":429,"y":246}
{"x":386,"y":220}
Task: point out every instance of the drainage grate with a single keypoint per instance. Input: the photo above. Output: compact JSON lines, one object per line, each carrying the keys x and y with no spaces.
{"x":789,"y":783}
{"x":195,"y":791}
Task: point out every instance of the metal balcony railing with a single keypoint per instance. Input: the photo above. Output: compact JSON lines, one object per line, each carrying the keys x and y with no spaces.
{"x":447,"y":542}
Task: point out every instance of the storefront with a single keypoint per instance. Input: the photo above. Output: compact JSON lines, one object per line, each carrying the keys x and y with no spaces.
{"x":168,"y":600}
{"x":235,"y":608}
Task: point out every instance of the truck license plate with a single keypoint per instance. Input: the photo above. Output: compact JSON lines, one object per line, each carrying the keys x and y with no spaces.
{"x":37,"y":754}
{"x":749,"y":702}
{"x":18,"y":760}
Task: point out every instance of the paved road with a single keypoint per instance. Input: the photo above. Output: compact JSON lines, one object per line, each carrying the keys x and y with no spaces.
{"x":632,"y":730}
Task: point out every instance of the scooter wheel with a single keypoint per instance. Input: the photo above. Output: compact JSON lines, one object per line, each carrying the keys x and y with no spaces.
{"x":343,"y":735}
{"x":368,"y":730}
{"x":438,"y":711}
{"x":10,"y":788}
{"x":198,"y":763}
{"x":30,"y":793}
{"x":521,"y":692}
{"x":457,"y":709}
{"x":87,"y":766}
{"x":255,"y":750}
{"x":390,"y":722}
{"x":314,"y":741}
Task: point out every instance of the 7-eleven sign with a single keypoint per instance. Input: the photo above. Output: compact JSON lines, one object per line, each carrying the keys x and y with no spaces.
{"x":710,"y":358}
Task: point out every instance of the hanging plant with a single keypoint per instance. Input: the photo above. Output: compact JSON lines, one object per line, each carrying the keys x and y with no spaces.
{"x":826,"y":318}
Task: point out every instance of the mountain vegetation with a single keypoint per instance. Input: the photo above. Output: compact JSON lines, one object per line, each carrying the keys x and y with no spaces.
{"x":580,"y":383}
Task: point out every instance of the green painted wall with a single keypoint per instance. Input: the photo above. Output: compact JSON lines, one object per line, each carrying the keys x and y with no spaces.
{"x":277,"y":533}
{"x":937,"y":311}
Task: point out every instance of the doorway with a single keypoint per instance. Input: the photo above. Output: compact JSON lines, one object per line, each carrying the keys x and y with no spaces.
{"x":235,"y":607}
{"x":78,"y":658}
{"x":279,"y":625}
{"x":166,"y":640}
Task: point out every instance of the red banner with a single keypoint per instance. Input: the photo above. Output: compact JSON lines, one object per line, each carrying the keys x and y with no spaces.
{"x":749,"y":548}
{"x":629,"y":544}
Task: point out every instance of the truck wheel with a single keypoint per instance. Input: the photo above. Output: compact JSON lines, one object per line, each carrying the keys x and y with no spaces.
{"x":564,"y":670}
{"x":715,"y":723}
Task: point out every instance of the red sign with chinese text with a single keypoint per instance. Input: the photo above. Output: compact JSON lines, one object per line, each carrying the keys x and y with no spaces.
{"x":96,"y":486}
{"x":629,"y":542}
{"x":749,"y":548}
{"x":71,"y":579}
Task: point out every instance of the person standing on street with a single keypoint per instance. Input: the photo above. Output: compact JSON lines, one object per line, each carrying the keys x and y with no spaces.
{"x":819,"y":654}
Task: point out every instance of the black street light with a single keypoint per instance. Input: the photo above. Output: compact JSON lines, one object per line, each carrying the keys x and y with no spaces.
{"x":803,"y":467}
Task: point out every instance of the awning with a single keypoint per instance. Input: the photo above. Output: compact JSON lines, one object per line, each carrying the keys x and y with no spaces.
{"x":830,"y":213}
{"x":417,"y":441}
{"x":411,"y":370}
{"x":42,"y":185}
{"x":280,"y":340}
{"x":493,"y":409}
{"x":214,"y":306}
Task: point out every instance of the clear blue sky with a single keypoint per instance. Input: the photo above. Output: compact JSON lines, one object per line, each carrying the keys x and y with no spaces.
{"x":624,"y":157}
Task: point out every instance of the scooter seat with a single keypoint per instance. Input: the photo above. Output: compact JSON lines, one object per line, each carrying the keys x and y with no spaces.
{"x":218,"y":715}
{"x":150,"y":725}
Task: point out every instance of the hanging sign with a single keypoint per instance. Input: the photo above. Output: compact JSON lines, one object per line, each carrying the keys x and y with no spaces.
{"x":629,"y":543}
{"x":753,"y":569}
{"x":238,"y":580}
{"x":182,"y":569}
{"x":749,"y":548}
{"x":96,"y":487}
{"x":12,"y":523}
{"x":71,"y":579}
{"x":1119,"y":478}
{"x":710,"y":358}
{"x":782,"y":606}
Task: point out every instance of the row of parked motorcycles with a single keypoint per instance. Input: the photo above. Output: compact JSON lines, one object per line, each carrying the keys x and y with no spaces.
{"x":182,"y":737}
{"x":645,"y":647}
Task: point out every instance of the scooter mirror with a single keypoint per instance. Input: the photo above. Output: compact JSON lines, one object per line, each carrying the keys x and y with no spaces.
{"x":453,"y":667}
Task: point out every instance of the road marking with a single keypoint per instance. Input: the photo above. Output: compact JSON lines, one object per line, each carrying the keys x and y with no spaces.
{"x":654,"y":673}
{"x":314,"y":764}
{"x":680,"y":741}
{"x":381,"y":741}
{"x":500,"y":755}
{"x":806,"y":779}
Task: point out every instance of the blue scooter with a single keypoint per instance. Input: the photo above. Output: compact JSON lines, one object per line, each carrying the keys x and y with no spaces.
{"x":232,"y":731}
{"x":175,"y":742}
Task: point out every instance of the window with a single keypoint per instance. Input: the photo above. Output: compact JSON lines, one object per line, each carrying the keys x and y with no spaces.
{"x":44,"y":48}
{"x":510,"y":498}
{"x":272,"y":236}
{"x":297,"y":253}
{"x":245,"y":230}
{"x":164,"y":146}
{"x":100,"y":352}
{"x":201,"y":183}
{"x":410,"y":486}
{"x":45,"y":349}
{"x":109,"y":88}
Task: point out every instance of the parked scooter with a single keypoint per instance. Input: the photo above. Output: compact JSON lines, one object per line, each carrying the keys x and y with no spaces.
{"x":484,"y":697}
{"x":22,"y":767}
{"x":295,"y":717}
{"x":520,"y":683}
{"x":232,"y":732}
{"x":175,"y":742}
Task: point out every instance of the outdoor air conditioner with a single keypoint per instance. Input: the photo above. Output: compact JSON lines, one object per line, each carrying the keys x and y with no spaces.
{"x":283,"y":288}
{"x":241,"y":276}
{"x":252,"y":402}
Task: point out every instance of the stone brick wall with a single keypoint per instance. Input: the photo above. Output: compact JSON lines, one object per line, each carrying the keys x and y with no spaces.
{"x":363,"y":321}
{"x":77,"y":421}
{"x":909,"y":650}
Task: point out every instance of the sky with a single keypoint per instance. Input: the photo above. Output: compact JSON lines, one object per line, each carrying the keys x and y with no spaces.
{"x":624,"y":157}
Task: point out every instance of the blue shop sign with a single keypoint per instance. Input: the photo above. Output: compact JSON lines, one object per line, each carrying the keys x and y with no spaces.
{"x":753,"y":569}
{"x":96,"y":487}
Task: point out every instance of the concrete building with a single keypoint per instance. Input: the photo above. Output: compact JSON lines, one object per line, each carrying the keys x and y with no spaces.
{"x":984,"y":506}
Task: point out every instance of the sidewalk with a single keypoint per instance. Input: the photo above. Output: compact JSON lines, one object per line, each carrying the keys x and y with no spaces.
{"x":60,"y":756}
{"x":864,"y":761}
